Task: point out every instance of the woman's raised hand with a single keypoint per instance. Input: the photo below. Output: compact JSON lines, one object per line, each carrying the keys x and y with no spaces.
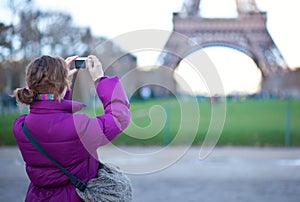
{"x":95,"y":67}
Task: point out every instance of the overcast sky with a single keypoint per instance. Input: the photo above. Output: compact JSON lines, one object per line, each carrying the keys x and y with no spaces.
{"x":115,"y":17}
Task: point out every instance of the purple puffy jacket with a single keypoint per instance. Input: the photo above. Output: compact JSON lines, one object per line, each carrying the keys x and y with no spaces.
{"x":71,"y":138}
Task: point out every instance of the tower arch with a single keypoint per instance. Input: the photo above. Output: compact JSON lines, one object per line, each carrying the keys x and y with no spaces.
{"x":239,"y":75}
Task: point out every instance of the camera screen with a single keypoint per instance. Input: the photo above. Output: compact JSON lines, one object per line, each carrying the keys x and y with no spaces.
{"x":80,"y":63}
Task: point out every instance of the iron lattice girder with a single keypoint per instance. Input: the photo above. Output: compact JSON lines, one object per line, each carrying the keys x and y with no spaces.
{"x":246,"y":33}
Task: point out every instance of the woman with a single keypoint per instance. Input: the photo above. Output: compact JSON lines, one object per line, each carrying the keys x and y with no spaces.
{"x":72,"y":139}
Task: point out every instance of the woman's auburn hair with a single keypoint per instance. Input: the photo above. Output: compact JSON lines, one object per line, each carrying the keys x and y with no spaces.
{"x":44,"y":74}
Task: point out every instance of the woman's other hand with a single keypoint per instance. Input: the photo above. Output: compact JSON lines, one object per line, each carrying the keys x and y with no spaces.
{"x":69,"y":62}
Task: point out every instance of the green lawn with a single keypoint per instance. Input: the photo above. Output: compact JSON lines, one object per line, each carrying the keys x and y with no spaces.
{"x":249,"y":122}
{"x":6,"y":123}
{"x":158,"y":122}
{"x":261,"y":122}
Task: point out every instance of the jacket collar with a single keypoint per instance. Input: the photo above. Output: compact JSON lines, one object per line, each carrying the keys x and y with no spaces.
{"x":43,"y":106}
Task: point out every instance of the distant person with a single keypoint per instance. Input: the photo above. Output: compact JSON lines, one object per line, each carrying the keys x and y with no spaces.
{"x":72,"y":139}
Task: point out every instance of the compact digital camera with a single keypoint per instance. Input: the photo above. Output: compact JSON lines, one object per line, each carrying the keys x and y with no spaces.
{"x":80,"y":62}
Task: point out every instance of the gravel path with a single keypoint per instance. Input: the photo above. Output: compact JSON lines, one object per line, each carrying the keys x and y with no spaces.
{"x":233,"y":174}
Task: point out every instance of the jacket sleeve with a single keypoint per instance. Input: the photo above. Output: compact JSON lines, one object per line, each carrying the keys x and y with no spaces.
{"x":102,"y":129}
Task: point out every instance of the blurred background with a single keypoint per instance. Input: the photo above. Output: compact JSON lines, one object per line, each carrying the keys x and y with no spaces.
{"x":222,"y":73}
{"x":259,"y":85}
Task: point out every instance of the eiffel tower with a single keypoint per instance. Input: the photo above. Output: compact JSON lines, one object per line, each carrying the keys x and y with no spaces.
{"x":247,"y":33}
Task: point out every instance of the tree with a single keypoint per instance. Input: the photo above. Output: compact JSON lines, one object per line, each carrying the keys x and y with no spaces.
{"x":6,"y":32}
{"x":30,"y":36}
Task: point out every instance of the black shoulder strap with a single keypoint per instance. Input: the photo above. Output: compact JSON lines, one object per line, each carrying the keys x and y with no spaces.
{"x":77,"y":182}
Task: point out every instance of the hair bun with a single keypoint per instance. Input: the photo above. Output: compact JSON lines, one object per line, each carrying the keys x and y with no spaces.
{"x":25,"y":95}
